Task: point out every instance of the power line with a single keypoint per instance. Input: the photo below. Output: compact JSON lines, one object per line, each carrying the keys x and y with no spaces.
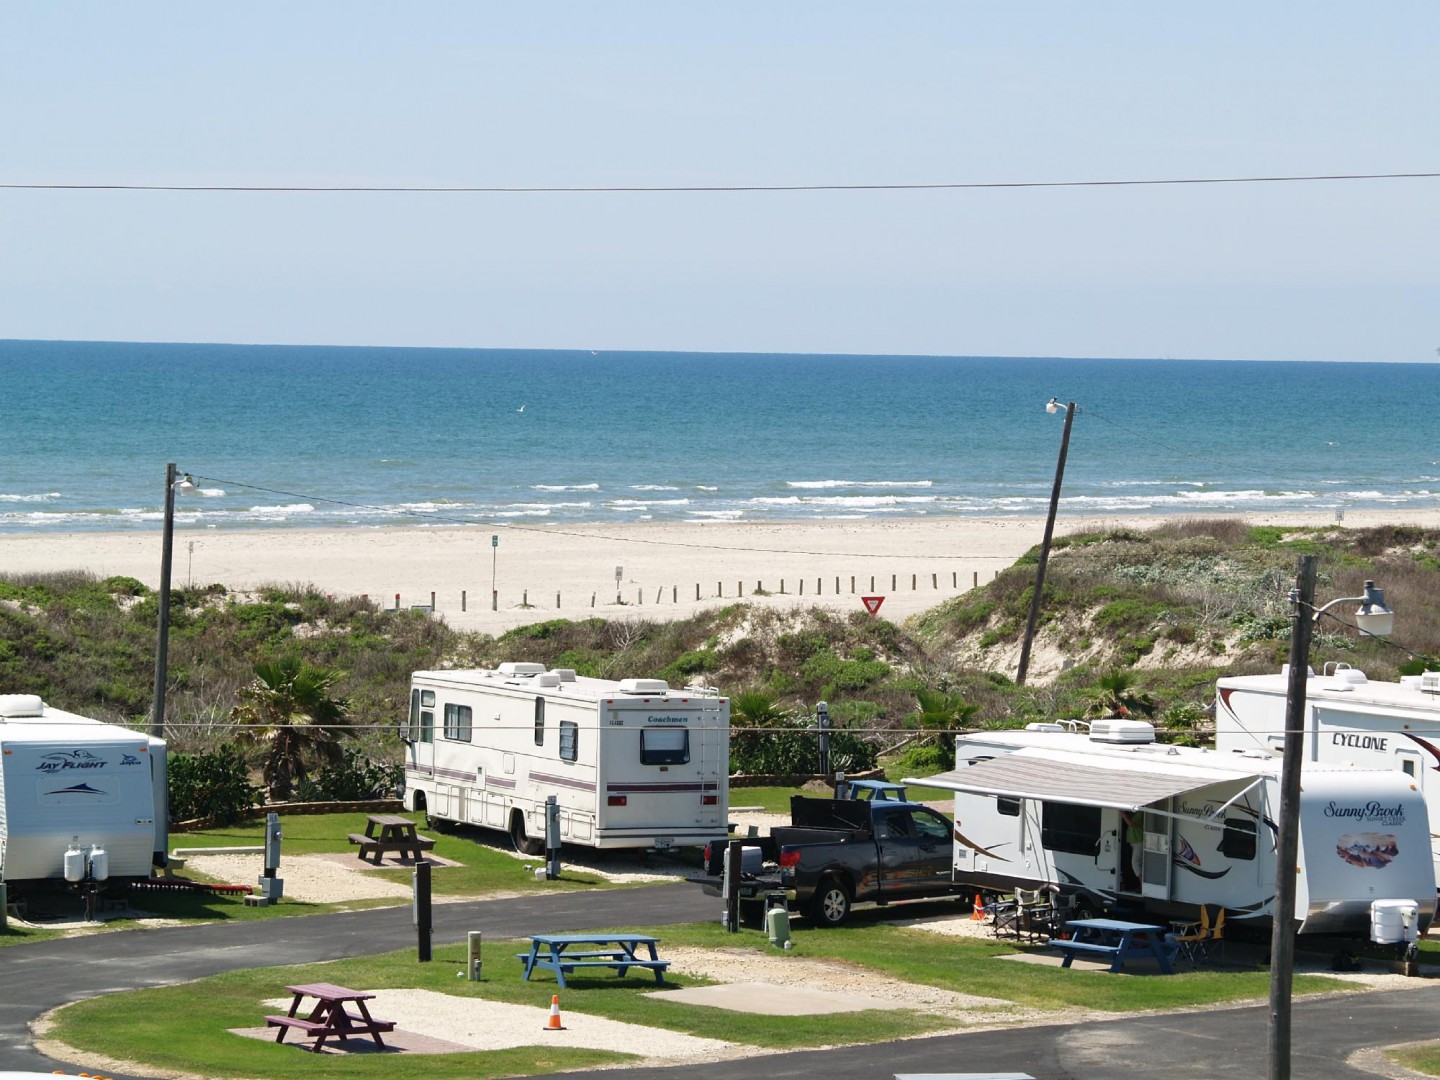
{"x":692,"y":189}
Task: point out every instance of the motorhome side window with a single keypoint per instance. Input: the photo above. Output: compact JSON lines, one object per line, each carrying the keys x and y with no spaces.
{"x":458,"y":722}
{"x":539,"y":721}
{"x":427,"y":716}
{"x":1070,"y":828}
{"x":414,"y":715}
{"x":1238,"y":841}
{"x":1007,"y":807}
{"x":569,"y":740}
{"x":664,"y":746}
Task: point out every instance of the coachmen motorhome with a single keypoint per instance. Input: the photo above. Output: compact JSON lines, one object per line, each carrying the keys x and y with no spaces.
{"x":632,"y":764}
{"x":1348,"y":720}
{"x":1043,"y":807}
{"x":80,"y":800}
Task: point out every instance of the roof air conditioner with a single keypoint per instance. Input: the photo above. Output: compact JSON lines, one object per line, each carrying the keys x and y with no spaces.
{"x":517,"y":668}
{"x":1116,"y":729}
{"x":644,"y":686}
{"x":17,"y":705}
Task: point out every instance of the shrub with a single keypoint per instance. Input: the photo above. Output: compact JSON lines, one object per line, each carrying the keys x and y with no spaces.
{"x":353,"y":778}
{"x":214,"y":785}
{"x":792,"y":746}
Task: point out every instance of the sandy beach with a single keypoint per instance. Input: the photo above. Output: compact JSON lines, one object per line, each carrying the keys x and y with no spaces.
{"x":914,"y":563}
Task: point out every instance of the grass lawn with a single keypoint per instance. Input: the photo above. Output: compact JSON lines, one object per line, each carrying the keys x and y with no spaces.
{"x":185,"y":1027}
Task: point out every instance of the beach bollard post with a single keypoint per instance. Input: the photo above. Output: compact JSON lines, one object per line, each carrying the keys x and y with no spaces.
{"x":913,"y":579}
{"x":852,"y":584}
{"x":837,"y":584}
{"x":819,"y":587}
{"x":674,"y":594}
{"x":934,"y":581}
{"x":557,"y":601}
{"x":397,"y":601}
{"x":893,"y":578}
{"x":462,"y":599}
{"x":432,"y":599}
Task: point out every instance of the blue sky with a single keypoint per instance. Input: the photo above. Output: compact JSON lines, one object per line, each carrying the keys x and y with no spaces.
{"x":626,"y":93}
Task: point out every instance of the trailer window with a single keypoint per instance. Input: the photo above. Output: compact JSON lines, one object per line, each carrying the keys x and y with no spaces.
{"x":1238,"y":841}
{"x":414,"y":715}
{"x":427,"y":716}
{"x":539,"y":721}
{"x":664,"y":746}
{"x":569,"y":740}
{"x":458,"y":722}
{"x":1071,"y":828}
{"x":1007,"y":807}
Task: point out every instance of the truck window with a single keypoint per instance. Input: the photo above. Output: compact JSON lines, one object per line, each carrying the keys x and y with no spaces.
{"x":457,"y":722}
{"x":539,"y":721}
{"x":931,"y":826}
{"x":427,"y":716}
{"x":895,"y":825}
{"x":664,"y":746}
{"x":1238,"y":840}
{"x":569,"y":740}
{"x":1070,"y":828}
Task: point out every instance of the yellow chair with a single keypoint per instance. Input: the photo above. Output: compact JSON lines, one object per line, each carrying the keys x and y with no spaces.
{"x":1197,"y":940}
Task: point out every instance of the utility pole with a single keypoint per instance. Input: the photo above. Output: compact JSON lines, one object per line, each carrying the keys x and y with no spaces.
{"x":1045,"y":543}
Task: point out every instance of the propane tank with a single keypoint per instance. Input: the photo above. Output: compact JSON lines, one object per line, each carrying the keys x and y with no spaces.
{"x":74,"y":861}
{"x":99,"y":863}
{"x":777,"y":921}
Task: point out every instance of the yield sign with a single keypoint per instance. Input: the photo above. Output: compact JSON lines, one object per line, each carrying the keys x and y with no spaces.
{"x":872,"y":603}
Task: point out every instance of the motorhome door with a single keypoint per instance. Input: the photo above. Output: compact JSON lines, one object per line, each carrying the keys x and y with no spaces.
{"x":1155,"y":867}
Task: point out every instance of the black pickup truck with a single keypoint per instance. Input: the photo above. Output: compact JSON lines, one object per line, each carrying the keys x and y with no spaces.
{"x":839,"y":852}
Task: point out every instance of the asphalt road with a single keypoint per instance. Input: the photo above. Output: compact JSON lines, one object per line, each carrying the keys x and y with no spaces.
{"x":1213,"y":1043}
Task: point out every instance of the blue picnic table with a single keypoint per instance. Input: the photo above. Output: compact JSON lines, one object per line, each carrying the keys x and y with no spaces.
{"x":563,"y":953}
{"x":1115,"y":940}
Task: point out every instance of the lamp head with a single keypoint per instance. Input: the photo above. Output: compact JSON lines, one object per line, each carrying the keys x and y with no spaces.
{"x":1373,"y":617}
{"x":186,"y":485}
{"x":1053,"y":405}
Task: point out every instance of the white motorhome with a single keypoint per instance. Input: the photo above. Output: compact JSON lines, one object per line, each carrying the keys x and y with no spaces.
{"x":1043,"y":807}
{"x":632,"y":764}
{"x":71,"y":785}
{"x":1348,"y":720}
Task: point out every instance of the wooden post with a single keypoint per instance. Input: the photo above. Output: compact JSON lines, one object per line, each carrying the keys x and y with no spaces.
{"x":659,"y":593}
{"x":819,"y":590}
{"x":976,"y":583}
{"x":893,"y":579}
{"x":640,"y":595}
{"x":739,"y":588}
{"x":872,"y":583}
{"x":837,"y":584}
{"x":719,"y":589}
{"x":802,"y":586}
{"x":954,"y":579}
{"x":934,"y":581}
{"x":913,"y":579}
{"x":674,"y":594}
{"x":592,"y":599}
{"x":524,"y":597}
{"x":697,"y":590}
{"x":397,"y":601}
{"x":782,"y":586}
{"x":557,"y":601}
{"x":852,"y":584}
{"x":462,"y":599}
{"x":432,"y":599}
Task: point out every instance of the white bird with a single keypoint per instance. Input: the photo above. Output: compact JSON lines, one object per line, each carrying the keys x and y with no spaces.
{"x":520,"y":409}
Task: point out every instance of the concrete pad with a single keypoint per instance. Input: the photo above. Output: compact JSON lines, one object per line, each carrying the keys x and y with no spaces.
{"x":770,"y":999}
{"x":396,"y":1042}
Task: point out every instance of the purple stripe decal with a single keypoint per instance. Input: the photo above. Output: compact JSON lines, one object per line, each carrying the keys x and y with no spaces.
{"x":500,"y":782}
{"x":562,"y":781}
{"x":646,"y":788}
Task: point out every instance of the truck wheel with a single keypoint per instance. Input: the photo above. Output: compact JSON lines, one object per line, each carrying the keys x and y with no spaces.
{"x":524,"y":843}
{"x":831,"y":903}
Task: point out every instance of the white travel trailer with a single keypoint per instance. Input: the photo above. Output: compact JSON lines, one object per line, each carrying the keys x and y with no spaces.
{"x":1348,"y":720}
{"x":1043,"y":807}
{"x":632,"y":764}
{"x":80,"y":800}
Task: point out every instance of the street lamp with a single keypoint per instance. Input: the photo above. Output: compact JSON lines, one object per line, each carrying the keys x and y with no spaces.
{"x":1052,"y":406}
{"x":1372,"y":619}
{"x":162,"y":630}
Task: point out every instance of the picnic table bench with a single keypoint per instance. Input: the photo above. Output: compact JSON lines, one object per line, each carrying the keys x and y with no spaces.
{"x":1116,"y":940}
{"x":390,"y":832}
{"x":330,"y":1018}
{"x":554,"y":952}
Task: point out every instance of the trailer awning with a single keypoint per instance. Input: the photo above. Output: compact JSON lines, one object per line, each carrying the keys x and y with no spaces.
{"x":1018,"y":776}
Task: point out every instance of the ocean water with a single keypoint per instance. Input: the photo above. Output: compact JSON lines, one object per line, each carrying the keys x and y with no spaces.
{"x":317,"y":436}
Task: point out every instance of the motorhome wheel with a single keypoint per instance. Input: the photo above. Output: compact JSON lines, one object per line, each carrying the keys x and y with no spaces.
{"x":524,"y":843}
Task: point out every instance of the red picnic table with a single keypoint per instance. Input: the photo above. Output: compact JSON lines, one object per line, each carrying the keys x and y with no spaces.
{"x":330,"y":1018}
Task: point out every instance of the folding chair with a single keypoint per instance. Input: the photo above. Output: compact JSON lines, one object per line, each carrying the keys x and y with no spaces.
{"x":1196,"y":941}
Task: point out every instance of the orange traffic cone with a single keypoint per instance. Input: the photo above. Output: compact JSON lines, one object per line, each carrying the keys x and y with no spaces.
{"x":977,"y":914}
{"x":553,"y":1024}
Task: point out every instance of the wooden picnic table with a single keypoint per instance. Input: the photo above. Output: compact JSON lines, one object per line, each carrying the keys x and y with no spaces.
{"x":562,"y":953}
{"x":329,"y":1018}
{"x":1115,"y":940}
{"x":390,"y":832}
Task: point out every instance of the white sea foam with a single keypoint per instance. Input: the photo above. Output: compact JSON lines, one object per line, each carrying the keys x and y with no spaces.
{"x":718,"y":515}
{"x":859,"y":483}
{"x":564,"y":487}
{"x":653,"y":487}
{"x":287,"y":508}
{"x":630,"y":504}
{"x":44,"y":497}
{"x":706,"y":487}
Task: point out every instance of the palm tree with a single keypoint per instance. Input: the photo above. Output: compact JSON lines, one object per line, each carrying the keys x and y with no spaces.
{"x":1118,"y":693}
{"x":754,"y":708}
{"x":288,"y":707}
{"x":943,"y":713}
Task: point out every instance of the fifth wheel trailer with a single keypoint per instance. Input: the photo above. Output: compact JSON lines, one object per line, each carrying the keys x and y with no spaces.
{"x":631,"y":764}
{"x":1348,"y":719}
{"x":1043,"y":807}
{"x":80,"y":799}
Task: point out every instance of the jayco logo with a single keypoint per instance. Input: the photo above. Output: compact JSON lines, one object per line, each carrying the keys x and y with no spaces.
{"x":1373,"y":812}
{"x":70,"y":759}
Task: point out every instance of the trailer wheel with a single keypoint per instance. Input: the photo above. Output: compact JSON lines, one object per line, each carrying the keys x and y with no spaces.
{"x":524,"y":843}
{"x":831,"y":904}
{"x":439,"y":824}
